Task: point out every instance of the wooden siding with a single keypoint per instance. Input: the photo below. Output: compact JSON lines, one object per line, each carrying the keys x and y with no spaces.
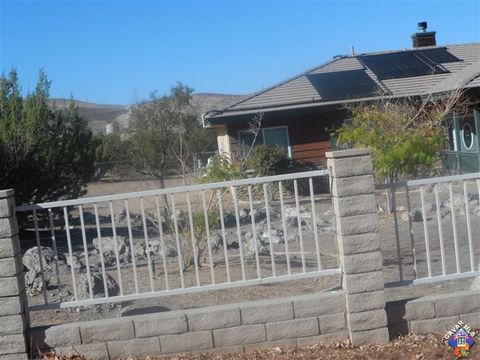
{"x":309,"y":138}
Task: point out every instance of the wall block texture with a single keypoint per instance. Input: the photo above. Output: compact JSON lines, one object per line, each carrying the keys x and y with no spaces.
{"x":287,"y":322}
{"x":13,"y":314}
{"x":435,"y":313}
{"x":354,"y":206}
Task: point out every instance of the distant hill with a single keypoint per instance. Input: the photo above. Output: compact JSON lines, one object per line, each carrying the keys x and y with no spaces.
{"x":98,"y":115}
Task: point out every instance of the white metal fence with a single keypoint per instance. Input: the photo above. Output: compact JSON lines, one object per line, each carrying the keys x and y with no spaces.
{"x":178,"y":240}
{"x":436,"y":224}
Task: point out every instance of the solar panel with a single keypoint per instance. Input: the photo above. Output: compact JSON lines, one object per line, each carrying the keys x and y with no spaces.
{"x":438,"y":55}
{"x":349,"y":84}
{"x":401,"y":65}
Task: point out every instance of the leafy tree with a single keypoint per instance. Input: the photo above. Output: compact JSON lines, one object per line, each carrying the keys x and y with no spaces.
{"x":45,"y":154}
{"x":166,"y":133}
{"x":112,"y":153}
{"x":399,"y":145}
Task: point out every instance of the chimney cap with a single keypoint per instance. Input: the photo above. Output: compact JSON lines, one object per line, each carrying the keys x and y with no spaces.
{"x":422,"y":26}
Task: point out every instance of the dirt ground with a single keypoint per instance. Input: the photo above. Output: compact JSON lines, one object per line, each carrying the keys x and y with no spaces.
{"x":411,"y":347}
{"x":328,"y":250}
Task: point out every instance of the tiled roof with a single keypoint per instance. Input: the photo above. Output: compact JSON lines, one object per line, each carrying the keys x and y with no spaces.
{"x":463,"y":68}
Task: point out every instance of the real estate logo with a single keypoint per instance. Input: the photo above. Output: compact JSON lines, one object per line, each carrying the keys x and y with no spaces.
{"x":461,"y":339}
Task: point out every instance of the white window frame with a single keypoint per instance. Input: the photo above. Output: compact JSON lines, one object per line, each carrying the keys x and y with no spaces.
{"x":289,"y":146}
{"x":469,"y":148}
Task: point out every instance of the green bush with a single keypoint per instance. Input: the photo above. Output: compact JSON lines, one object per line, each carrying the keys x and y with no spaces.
{"x":220,"y":168}
{"x":266,"y":160}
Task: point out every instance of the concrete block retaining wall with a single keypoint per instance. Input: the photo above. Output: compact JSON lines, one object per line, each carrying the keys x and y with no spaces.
{"x":287,"y":322}
{"x":13,"y":314}
{"x":436,"y":313}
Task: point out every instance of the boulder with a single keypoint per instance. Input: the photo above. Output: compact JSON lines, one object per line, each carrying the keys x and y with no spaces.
{"x":155,"y":248}
{"x":244,"y":216}
{"x":77,"y":263}
{"x":417,"y":216}
{"x":96,"y":279}
{"x":180,"y":215}
{"x":216,"y":240}
{"x":31,"y":258}
{"x":293,"y":221}
{"x":229,"y":219}
{"x":33,"y":275}
{"x":108,"y":248}
{"x":89,"y":217}
{"x":475,"y":210}
{"x":430,"y":207}
{"x":293,"y":238}
{"x":33,"y":283}
{"x":291,"y":212}
{"x":459,"y":203}
{"x":276,"y":236}
{"x":321,"y":222}
{"x":232,"y":240}
{"x":262,"y":246}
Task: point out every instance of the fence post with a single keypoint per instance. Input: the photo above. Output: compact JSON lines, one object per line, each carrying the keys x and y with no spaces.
{"x":13,"y":315}
{"x":354,"y":206}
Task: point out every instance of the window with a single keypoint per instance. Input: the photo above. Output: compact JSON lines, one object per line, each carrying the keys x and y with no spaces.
{"x":467,"y":137}
{"x":273,"y":136}
{"x":467,"y":133}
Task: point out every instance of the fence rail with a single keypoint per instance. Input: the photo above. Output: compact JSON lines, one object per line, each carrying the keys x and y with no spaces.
{"x":442,"y":214}
{"x":178,"y":240}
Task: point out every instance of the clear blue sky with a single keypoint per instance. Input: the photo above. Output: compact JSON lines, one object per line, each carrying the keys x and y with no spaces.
{"x":118,"y":51}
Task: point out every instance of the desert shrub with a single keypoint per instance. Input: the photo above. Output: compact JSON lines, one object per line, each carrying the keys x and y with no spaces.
{"x":266,"y":160}
{"x":200,"y":234}
{"x":220,"y":169}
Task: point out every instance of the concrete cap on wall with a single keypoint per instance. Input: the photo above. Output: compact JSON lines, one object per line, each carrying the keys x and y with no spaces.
{"x":347,"y":153}
{"x":6,"y":193}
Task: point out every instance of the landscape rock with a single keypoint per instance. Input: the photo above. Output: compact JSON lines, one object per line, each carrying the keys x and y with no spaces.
{"x":429,"y":188}
{"x":229,"y":219}
{"x":293,"y":238}
{"x":33,"y":276}
{"x":33,"y":283}
{"x":77,"y":263}
{"x":276,"y":236}
{"x":232,"y":240}
{"x":180,"y":215}
{"x":244,"y":216}
{"x":475,"y":210}
{"x":430,"y":207}
{"x":108,"y":247}
{"x":458,"y":204}
{"x":381,"y":208}
{"x":322,"y":222}
{"x":262,"y":246}
{"x":417,"y":216}
{"x":291,"y":212}
{"x":31,"y":260}
{"x":217,"y":240}
{"x":88,"y":217}
{"x":259,"y":214}
{"x":97,"y":286}
{"x":155,"y":248}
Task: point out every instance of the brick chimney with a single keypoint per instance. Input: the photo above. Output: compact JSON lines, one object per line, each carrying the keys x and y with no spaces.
{"x":423,"y":37}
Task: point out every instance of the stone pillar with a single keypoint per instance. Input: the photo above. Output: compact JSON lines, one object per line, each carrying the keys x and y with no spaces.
{"x":13,"y":315}
{"x":354,"y":206}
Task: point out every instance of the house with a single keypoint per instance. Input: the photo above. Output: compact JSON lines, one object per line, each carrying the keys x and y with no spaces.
{"x":300,"y":112}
